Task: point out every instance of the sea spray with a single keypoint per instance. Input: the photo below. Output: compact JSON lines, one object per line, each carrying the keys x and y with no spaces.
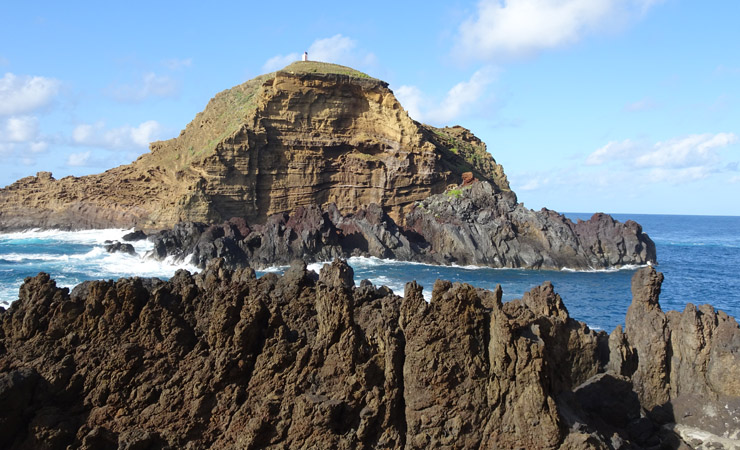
{"x":72,"y":257}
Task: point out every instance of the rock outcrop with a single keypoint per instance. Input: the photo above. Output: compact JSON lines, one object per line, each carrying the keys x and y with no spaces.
{"x":317,"y":135}
{"x":471,"y":225}
{"x":225,"y":360}
{"x":312,"y":133}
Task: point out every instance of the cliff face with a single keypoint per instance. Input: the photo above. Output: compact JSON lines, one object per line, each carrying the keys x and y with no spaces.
{"x":224,"y":360}
{"x":312,"y":133}
{"x":471,"y":225}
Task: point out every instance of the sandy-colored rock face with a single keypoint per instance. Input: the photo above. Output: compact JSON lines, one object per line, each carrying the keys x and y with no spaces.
{"x":310,"y":134}
{"x":320,"y":140}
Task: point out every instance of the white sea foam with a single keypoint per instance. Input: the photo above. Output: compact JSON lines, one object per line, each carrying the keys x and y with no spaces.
{"x":68,"y":270}
{"x":316,"y":267}
{"x":89,"y":237}
{"x":372,"y":261}
{"x":607,"y":270}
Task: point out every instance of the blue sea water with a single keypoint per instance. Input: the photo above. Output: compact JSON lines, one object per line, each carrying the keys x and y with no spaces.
{"x":699,"y":256}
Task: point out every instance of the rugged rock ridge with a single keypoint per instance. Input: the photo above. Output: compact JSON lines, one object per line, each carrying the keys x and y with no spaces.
{"x":471,"y":225}
{"x":222,"y":359}
{"x":313,"y":133}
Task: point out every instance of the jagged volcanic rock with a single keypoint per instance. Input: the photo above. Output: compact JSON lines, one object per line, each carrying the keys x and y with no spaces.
{"x":479,"y":225}
{"x":471,"y":225}
{"x":312,"y":133}
{"x":224,"y":360}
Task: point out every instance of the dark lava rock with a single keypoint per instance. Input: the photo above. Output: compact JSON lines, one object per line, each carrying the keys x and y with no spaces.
{"x":137,"y":235}
{"x":472,"y":225}
{"x":118,"y":247}
{"x":225,"y":360}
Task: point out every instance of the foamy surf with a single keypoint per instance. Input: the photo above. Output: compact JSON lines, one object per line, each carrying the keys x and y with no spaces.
{"x":72,"y":257}
{"x":627,"y":267}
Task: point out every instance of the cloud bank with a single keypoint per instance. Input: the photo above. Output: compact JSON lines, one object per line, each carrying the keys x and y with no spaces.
{"x":460,"y":100}
{"x":124,"y":137}
{"x":678,"y":160}
{"x":25,"y":94}
{"x":516,"y":28}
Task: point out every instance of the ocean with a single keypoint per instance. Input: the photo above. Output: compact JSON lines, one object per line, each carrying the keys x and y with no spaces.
{"x":699,"y":256}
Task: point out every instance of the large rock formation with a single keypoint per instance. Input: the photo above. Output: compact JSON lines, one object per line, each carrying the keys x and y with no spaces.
{"x":321,"y":136}
{"x":471,"y":225}
{"x":312,"y":133}
{"x":224,"y":360}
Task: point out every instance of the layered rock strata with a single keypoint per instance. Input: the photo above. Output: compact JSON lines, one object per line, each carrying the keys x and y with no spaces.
{"x":470,"y":225}
{"x":224,"y":360}
{"x":312,"y":133}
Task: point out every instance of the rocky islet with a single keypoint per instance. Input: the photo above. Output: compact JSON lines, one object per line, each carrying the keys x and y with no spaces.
{"x":319,"y":161}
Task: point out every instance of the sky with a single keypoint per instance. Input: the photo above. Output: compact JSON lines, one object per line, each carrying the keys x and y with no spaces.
{"x":617,"y":106}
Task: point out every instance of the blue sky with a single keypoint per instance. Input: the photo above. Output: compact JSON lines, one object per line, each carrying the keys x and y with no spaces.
{"x":621,"y":106}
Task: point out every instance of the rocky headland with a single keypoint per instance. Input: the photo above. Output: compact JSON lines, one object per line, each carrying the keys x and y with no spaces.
{"x":310,"y":134}
{"x":318,"y":161}
{"x":222,"y":359}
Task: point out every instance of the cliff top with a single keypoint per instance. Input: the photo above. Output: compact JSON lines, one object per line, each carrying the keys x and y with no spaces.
{"x":324,"y":68}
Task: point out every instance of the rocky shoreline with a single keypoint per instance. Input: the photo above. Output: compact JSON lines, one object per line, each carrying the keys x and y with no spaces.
{"x":223,"y":359}
{"x":468,"y":225}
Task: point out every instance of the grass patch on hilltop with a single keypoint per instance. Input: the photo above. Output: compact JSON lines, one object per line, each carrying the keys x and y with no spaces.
{"x":323,"y":67}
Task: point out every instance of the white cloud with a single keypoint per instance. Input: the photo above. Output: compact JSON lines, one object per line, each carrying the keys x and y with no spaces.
{"x":277,"y":62}
{"x":78,"y":159}
{"x":461,"y":99}
{"x":20,"y":129}
{"x":679,"y":160}
{"x":177,"y":64}
{"x":337,"y":49}
{"x":690,"y":151}
{"x":412,"y":99}
{"x":514,"y":28}
{"x":150,"y":85}
{"x":333,"y":49}
{"x":21,"y":133}
{"x":613,"y":150}
{"x":38,"y":146}
{"x":680,"y":176}
{"x":95,"y":135}
{"x":735,"y":179}
{"x":23,"y":94}
{"x":534,"y":183}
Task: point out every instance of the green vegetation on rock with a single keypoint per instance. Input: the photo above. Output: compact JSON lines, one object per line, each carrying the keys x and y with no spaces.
{"x":322,"y":67}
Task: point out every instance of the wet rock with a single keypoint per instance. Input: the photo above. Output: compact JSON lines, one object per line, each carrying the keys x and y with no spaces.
{"x":137,"y":235}
{"x":118,"y":247}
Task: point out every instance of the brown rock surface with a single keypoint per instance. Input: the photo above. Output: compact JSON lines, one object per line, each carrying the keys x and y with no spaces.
{"x":685,"y":367}
{"x":224,"y":360}
{"x":313,"y":133}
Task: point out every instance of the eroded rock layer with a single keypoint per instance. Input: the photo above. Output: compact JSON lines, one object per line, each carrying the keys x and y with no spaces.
{"x":474,"y":224}
{"x":312,"y":133}
{"x":225,"y":360}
